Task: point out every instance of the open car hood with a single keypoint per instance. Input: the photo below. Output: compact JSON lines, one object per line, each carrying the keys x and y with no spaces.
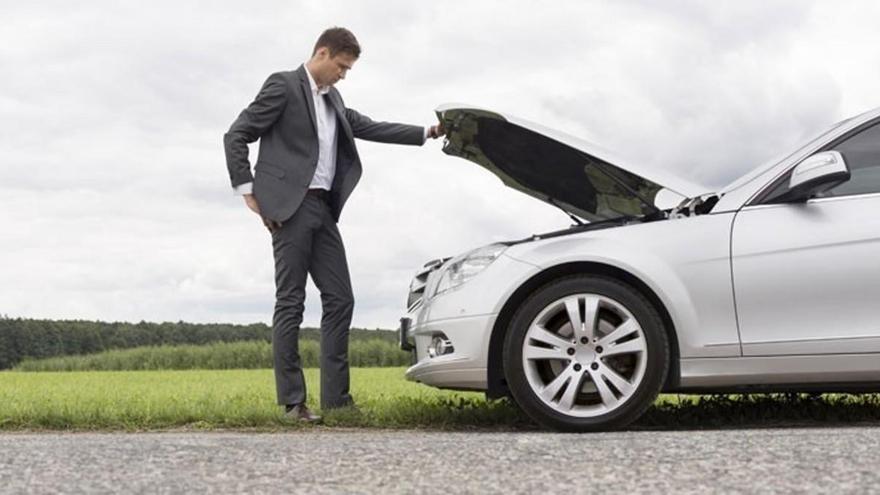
{"x":559,"y":169}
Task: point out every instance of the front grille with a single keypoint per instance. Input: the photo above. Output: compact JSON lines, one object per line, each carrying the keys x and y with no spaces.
{"x":417,"y":286}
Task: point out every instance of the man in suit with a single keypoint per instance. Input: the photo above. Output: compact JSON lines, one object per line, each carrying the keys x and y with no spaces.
{"x":307,"y":167}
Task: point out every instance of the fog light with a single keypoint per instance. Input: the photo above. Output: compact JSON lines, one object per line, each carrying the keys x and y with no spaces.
{"x":440,"y":345}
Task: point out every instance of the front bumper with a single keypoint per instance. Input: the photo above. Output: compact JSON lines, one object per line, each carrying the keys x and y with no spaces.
{"x":465,"y":367}
{"x":465,"y":317}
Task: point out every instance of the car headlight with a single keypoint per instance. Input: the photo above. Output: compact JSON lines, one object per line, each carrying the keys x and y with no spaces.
{"x":467,"y":266}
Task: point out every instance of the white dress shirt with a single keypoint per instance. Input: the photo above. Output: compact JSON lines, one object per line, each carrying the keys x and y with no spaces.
{"x":325,"y":121}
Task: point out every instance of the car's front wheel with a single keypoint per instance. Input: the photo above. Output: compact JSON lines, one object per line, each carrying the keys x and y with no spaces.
{"x":586,"y":353}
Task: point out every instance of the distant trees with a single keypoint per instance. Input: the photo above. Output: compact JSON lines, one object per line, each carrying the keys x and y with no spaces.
{"x":27,"y":338}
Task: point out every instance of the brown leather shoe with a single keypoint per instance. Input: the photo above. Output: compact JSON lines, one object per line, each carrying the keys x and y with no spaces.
{"x":302,"y":413}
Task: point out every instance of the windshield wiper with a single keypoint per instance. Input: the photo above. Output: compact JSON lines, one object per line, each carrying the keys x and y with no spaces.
{"x":584,"y":227}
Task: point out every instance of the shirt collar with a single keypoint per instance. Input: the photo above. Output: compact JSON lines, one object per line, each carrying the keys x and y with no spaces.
{"x":322,"y":90}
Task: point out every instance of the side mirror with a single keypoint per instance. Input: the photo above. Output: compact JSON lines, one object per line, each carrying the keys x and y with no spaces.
{"x":817,"y":174}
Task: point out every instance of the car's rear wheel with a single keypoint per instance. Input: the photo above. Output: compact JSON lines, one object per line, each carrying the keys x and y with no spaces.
{"x":586,"y":353}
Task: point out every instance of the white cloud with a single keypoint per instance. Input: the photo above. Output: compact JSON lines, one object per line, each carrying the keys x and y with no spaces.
{"x":116,"y":198}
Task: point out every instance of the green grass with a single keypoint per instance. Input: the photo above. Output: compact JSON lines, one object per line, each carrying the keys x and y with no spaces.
{"x":226,"y":355}
{"x":133,"y":400}
{"x":216,"y":399}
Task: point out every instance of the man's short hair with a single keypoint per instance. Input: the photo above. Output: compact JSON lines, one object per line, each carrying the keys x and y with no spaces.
{"x":338,"y":40}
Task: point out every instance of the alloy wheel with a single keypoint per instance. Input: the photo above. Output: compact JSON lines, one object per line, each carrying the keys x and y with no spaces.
{"x":584,"y":355}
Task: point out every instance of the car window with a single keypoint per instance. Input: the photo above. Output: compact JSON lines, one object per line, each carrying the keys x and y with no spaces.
{"x":862,"y":153}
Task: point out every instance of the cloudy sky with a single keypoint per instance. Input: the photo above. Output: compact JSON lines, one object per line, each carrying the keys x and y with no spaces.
{"x":116,"y":203}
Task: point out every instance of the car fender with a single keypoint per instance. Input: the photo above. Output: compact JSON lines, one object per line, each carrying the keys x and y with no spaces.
{"x":690,"y":277}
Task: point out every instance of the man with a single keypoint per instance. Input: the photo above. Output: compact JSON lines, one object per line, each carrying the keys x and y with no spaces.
{"x":307,"y":167}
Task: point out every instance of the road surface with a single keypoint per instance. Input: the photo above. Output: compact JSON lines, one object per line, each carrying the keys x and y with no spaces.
{"x":319,"y":461}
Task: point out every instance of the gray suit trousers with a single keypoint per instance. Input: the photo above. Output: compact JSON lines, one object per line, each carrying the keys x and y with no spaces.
{"x":309,"y":243}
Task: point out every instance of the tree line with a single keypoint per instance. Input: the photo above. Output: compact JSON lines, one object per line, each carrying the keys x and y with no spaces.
{"x":30,"y":338}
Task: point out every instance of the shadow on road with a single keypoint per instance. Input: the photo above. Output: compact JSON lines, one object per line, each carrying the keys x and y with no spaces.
{"x":669,"y":413}
{"x":761,"y":411}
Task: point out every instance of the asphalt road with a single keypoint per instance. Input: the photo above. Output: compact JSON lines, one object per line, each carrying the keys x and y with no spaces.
{"x":332,"y":461}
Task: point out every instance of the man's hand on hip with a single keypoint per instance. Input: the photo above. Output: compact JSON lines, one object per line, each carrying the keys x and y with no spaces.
{"x":251,"y":203}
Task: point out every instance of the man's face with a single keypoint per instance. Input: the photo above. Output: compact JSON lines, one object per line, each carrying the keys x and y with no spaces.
{"x":332,"y":69}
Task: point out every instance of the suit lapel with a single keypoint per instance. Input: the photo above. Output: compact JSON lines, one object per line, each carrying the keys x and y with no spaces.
{"x":336,"y":102}
{"x":307,"y":92}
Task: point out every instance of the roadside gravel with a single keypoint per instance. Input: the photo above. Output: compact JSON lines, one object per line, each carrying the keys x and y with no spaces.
{"x":375,"y":461}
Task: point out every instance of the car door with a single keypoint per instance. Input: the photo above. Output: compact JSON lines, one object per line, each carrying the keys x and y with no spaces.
{"x":807,"y":275}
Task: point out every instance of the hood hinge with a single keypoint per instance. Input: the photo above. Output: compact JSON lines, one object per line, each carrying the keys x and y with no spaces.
{"x":692,"y":207}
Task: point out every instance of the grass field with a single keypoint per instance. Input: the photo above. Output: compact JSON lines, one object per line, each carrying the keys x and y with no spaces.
{"x":363,"y":352}
{"x":146,"y":400}
{"x":225,"y":399}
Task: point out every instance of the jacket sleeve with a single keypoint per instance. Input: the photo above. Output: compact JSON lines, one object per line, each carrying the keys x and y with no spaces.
{"x":252,"y":123}
{"x":364,"y":127}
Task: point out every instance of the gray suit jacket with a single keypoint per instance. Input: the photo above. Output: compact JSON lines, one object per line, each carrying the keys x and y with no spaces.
{"x":282,"y":116}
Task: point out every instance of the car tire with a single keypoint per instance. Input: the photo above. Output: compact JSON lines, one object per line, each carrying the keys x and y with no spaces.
{"x":596,"y":354}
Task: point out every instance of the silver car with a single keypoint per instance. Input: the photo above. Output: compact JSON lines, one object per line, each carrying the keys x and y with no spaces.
{"x":770,"y":284}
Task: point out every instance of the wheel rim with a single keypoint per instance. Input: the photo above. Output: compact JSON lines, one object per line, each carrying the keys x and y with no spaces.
{"x":584,"y":355}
